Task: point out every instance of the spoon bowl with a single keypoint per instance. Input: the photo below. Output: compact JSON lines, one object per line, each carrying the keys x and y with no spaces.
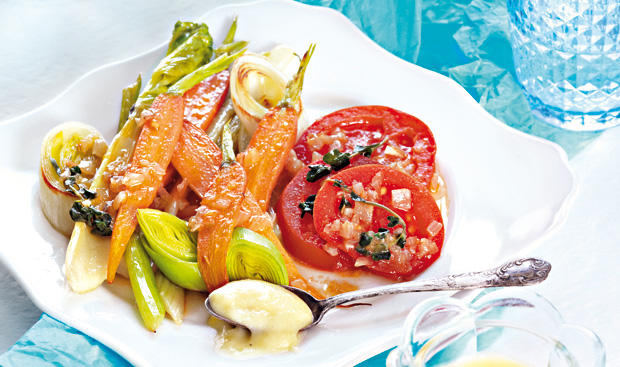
{"x":515,"y":273}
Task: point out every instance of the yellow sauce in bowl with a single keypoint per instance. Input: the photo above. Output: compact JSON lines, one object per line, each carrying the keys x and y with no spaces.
{"x":272,"y":314}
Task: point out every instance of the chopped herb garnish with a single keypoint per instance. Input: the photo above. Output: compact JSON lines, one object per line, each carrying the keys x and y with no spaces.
{"x":307,"y":206}
{"x":100,"y":222}
{"x":365,"y":239}
{"x":344,"y":203}
{"x":317,"y":171}
{"x":75,"y":170}
{"x":366,"y":150}
{"x":382,"y":255}
{"x":337,"y":160}
{"x":392,"y":221}
{"x":71,"y":184}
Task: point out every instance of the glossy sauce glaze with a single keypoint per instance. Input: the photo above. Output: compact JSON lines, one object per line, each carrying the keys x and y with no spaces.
{"x":272,"y":314}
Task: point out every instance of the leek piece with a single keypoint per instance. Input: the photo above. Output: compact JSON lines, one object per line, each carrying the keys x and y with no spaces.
{"x":172,"y":296}
{"x":168,"y":233}
{"x":182,"y":273}
{"x":219,"y":64}
{"x":129,"y":96}
{"x":148,"y":300}
{"x":252,"y":256}
{"x":68,"y":144}
{"x":184,"y":30}
{"x":172,"y":247}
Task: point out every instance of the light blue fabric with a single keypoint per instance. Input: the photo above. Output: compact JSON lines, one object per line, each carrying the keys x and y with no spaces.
{"x":463,"y":39}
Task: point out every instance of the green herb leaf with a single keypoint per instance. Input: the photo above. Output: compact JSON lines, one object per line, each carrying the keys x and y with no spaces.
{"x":365,"y":239}
{"x":382,"y":255}
{"x":344,"y":203}
{"x":100,"y":222}
{"x":393,"y":221}
{"x":336,"y":159}
{"x":307,"y":206}
{"x":366,"y":150}
{"x":75,"y":170}
{"x":400,"y":241}
{"x":317,"y":171}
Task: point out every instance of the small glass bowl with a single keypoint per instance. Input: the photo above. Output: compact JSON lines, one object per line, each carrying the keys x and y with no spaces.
{"x":515,"y":324}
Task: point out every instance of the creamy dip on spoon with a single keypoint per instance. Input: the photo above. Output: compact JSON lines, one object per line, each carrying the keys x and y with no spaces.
{"x":273,"y":317}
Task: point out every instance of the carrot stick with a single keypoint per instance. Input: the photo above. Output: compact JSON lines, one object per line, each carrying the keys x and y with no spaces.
{"x":218,"y":217}
{"x":197,"y":158}
{"x":266,"y":155}
{"x":204,"y":100}
{"x":151,"y":157}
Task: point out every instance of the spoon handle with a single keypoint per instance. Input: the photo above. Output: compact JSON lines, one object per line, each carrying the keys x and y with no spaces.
{"x":514,"y":273}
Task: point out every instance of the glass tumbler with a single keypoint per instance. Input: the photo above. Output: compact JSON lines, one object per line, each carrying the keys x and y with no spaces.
{"x":567,"y":59}
{"x":512,"y":324}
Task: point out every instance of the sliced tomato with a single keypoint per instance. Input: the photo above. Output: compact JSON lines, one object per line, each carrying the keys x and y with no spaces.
{"x":410,"y":146}
{"x":342,"y":227}
{"x":298,"y":234}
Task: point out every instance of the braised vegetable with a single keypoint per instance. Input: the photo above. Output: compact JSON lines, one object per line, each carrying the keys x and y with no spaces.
{"x":172,"y":247}
{"x":70,"y":155}
{"x":187,"y":56}
{"x":267,"y":153}
{"x":153,"y":152}
{"x":148,"y":300}
{"x":258,"y":83}
{"x":252,"y":256}
{"x":197,"y":158}
{"x":129,"y":96}
{"x":217,"y":216}
{"x":168,"y":233}
{"x":172,"y":296}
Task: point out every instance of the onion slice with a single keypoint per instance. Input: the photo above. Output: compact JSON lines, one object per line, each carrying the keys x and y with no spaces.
{"x":258,"y":82}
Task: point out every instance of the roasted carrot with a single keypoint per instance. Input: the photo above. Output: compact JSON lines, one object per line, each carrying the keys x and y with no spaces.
{"x":153,"y":152}
{"x":204,"y":100}
{"x":266,"y":155}
{"x":197,"y":158}
{"x":218,"y":216}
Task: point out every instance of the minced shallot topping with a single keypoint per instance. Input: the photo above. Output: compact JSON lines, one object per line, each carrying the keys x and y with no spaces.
{"x":434,"y":227}
{"x":401,"y":199}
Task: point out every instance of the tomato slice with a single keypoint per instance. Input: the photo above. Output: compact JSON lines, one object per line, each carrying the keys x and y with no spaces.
{"x":348,"y":229}
{"x":298,"y":234}
{"x":410,"y":146}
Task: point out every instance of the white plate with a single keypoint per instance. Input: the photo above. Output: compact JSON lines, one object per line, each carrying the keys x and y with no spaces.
{"x":508,"y":189}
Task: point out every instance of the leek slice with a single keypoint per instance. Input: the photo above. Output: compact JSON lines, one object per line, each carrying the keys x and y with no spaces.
{"x":252,"y":256}
{"x":167,"y":232}
{"x":67,"y":145}
{"x":172,"y":247}
{"x":172,"y":296}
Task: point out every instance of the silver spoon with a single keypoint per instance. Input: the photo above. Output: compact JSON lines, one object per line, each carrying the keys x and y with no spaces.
{"x":515,"y":273}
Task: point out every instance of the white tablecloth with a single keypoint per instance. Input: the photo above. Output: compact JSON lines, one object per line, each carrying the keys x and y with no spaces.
{"x":46,"y":45}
